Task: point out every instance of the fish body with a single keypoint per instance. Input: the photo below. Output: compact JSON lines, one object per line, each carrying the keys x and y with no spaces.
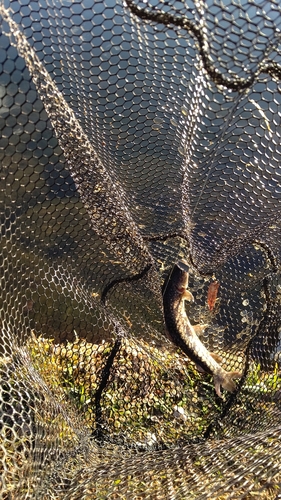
{"x":183,"y":334}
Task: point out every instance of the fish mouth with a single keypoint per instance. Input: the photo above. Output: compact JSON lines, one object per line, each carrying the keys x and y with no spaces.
{"x":183,"y":265}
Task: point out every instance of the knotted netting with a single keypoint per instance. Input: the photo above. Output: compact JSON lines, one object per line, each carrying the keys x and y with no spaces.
{"x":134,"y":135}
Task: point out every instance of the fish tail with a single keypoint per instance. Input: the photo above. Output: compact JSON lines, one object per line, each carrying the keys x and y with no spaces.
{"x":225,"y":379}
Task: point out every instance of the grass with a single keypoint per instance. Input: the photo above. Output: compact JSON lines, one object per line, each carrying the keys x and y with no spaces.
{"x":154,"y":398}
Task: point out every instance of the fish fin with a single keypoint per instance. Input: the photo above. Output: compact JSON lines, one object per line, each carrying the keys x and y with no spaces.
{"x":199,"y":368}
{"x":225,"y":379}
{"x":199,"y":329}
{"x":188,"y":296}
{"x":168,"y":335}
{"x":216,"y":357}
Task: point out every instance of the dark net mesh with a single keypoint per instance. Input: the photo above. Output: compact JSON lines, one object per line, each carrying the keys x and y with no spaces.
{"x":135,"y":135}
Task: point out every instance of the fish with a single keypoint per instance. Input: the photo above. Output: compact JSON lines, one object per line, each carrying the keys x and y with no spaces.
{"x":184,"y":335}
{"x":212,"y":294}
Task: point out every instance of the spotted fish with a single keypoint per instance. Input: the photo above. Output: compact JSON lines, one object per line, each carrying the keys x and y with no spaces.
{"x":184,"y":335}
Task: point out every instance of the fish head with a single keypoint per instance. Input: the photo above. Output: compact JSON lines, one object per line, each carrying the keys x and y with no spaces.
{"x":176,"y":283}
{"x":180,"y":276}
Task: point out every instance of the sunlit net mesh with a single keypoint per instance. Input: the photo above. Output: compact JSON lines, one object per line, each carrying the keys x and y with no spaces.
{"x":134,"y":135}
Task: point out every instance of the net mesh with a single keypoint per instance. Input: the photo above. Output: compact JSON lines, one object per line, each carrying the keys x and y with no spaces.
{"x":135,"y":134}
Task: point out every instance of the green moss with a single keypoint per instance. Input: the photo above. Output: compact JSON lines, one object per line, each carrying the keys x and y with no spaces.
{"x":146,"y":387}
